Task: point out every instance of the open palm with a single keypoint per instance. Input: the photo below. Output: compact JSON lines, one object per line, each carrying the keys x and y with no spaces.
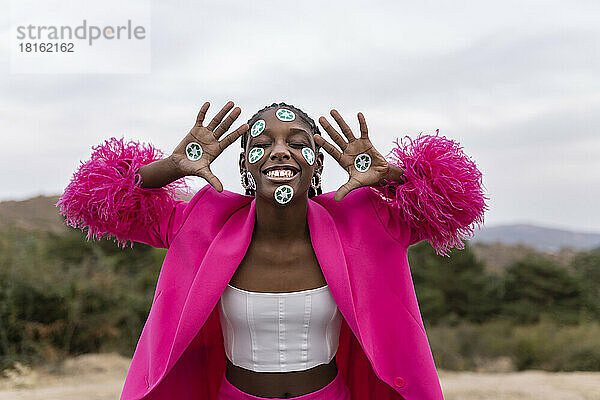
{"x":365,"y":165}
{"x":201,"y":145}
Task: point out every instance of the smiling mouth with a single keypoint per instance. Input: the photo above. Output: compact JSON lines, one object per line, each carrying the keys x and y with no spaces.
{"x":281,"y":175}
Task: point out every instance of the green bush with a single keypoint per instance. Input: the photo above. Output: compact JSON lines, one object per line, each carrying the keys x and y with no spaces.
{"x":546,"y":345}
{"x":458,"y":288}
{"x":587,"y":269}
{"x":61,"y":295}
{"x":552,"y":347}
{"x":535,"y":286}
{"x":466,"y":345}
{"x":452,"y":288}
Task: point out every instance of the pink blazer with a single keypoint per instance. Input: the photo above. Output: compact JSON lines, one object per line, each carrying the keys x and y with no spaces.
{"x":360,"y":242}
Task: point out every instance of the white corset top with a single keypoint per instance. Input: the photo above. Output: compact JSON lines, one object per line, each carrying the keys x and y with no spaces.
{"x":279,"y":332}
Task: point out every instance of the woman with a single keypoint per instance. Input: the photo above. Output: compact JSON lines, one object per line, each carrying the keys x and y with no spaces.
{"x":233,"y":315}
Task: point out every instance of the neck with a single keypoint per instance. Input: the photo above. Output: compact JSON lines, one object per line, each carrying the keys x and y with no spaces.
{"x":281,"y":223}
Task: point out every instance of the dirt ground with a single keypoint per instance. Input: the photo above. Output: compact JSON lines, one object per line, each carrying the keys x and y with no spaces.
{"x":100,"y":377}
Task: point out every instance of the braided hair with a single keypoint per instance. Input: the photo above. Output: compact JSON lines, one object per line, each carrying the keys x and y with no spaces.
{"x":313,"y":128}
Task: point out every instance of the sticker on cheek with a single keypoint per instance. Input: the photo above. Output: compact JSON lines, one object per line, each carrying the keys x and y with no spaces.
{"x":285,"y":115}
{"x":362,"y":162}
{"x":258,"y":128}
{"x":284,"y":194}
{"x":251,"y":180}
{"x":193,"y":151}
{"x":255,"y":154}
{"x":309,"y":155}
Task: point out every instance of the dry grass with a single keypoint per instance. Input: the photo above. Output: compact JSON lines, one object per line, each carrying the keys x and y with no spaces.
{"x":100,"y":377}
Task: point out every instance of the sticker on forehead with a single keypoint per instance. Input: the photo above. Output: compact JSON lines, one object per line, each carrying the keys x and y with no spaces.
{"x":255,"y":154}
{"x":285,"y":115}
{"x":193,"y":151}
{"x":362,"y":162}
{"x":257,"y":128}
{"x":309,"y":155}
{"x":283,"y":194}
{"x":251,"y":180}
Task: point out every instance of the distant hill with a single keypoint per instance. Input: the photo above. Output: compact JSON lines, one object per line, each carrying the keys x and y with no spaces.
{"x":541,"y":238}
{"x":37,"y":213}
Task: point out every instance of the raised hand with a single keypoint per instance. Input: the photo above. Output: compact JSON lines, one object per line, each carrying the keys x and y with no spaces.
{"x":365,"y":165}
{"x":201,"y":145}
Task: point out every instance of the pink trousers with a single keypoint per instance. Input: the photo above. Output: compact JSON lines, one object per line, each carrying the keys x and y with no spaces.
{"x":335,"y":390}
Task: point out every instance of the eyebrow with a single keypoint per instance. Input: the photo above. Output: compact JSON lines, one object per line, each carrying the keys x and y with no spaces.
{"x":298,"y":130}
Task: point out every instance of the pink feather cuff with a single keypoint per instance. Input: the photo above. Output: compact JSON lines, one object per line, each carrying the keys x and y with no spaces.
{"x":105,"y":196}
{"x":441,"y":198}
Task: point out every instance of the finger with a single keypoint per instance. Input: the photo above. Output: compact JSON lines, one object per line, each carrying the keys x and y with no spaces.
{"x":233,"y":136}
{"x":335,"y":153}
{"x":346,"y":188}
{"x":364,"y":131}
{"x":224,"y":126}
{"x":207,"y":174}
{"x":219,"y":117}
{"x":202,"y":114}
{"x":345,"y":128}
{"x":337,"y":138}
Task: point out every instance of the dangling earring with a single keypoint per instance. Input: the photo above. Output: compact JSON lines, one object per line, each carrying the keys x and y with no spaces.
{"x":315,"y":181}
{"x":244,"y":180}
{"x":251,"y":180}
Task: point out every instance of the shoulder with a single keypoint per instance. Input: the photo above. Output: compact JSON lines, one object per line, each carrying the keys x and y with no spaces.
{"x":207,"y":203}
{"x":356,"y":199}
{"x":208,"y":196}
{"x":364,"y":208}
{"x":358,"y":204}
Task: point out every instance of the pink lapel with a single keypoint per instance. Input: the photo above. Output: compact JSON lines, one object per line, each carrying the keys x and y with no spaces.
{"x":218,"y":266}
{"x":328,"y":249}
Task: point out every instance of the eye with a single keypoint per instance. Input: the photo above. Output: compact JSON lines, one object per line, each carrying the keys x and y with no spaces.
{"x":298,"y":145}
{"x":260,"y":144}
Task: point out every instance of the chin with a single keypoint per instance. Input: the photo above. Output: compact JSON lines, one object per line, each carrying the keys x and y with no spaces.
{"x":269,"y":194}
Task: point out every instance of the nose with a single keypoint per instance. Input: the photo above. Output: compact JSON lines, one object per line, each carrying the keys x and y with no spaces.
{"x":280,"y":151}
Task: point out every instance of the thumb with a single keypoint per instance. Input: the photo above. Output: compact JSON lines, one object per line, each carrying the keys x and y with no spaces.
{"x":338,"y":195}
{"x":341,"y":193}
{"x":207,"y":174}
{"x":346,"y":188}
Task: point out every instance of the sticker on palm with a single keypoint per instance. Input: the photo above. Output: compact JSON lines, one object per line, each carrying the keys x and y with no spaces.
{"x":362,"y":162}
{"x":257,"y":128}
{"x":285,"y":115}
{"x":193,"y":151}
{"x":283,"y":194}
{"x":255,"y":154}
{"x":309,"y":155}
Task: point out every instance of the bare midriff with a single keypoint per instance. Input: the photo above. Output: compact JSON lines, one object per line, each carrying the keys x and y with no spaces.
{"x":281,"y":385}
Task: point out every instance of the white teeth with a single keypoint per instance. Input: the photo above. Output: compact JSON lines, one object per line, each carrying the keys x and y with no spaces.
{"x":280,"y":173}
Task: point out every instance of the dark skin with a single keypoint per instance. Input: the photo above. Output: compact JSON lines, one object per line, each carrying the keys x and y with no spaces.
{"x":280,"y":257}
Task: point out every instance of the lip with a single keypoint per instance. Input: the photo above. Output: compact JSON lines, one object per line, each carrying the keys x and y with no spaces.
{"x":281,"y":178}
{"x":280,"y":166}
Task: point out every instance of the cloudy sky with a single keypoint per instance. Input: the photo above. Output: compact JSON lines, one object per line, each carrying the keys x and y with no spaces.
{"x":515,"y":82}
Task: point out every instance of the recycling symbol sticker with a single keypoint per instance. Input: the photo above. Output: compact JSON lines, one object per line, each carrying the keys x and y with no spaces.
{"x":193,"y":151}
{"x":251,"y":180}
{"x":255,"y":154}
{"x":283,"y":194}
{"x":362,"y":162}
{"x":285,"y":115}
{"x":309,"y":155}
{"x":258,"y":128}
